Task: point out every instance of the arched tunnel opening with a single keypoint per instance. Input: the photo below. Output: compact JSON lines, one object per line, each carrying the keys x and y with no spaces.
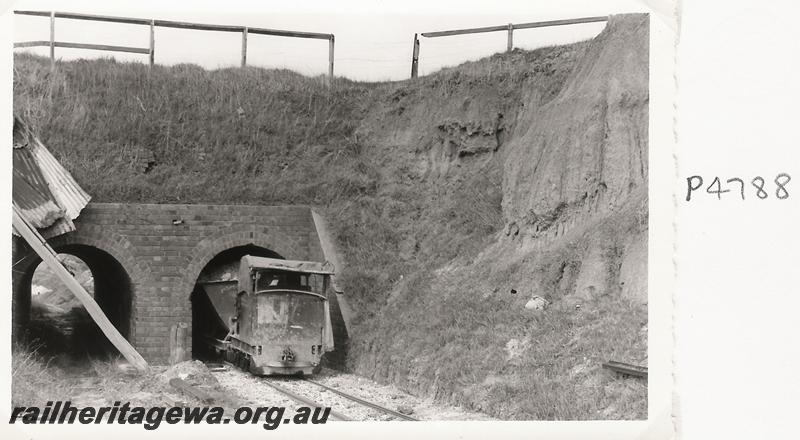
{"x":213,"y":297}
{"x":58,"y":325}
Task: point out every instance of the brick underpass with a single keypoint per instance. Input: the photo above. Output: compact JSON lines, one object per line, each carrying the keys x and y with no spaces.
{"x":146,"y":259}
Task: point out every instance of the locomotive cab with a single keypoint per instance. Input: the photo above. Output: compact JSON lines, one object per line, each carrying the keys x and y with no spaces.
{"x":281,"y":323}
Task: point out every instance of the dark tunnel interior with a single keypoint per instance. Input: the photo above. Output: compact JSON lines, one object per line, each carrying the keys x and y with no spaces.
{"x":56,"y":323}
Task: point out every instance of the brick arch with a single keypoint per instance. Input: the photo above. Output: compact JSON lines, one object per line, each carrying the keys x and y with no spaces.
{"x":112,"y":243}
{"x":210,"y":247}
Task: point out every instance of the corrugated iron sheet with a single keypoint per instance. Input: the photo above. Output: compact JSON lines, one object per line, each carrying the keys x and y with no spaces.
{"x":64,"y":188}
{"x":37,"y":207}
{"x":44,"y":191}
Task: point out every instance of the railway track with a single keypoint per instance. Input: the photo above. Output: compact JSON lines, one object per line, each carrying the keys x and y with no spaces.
{"x":335,"y":415}
{"x":363,"y":402}
{"x":305,"y":401}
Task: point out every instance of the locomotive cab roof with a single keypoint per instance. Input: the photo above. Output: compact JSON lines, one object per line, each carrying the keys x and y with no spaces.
{"x":250,"y":262}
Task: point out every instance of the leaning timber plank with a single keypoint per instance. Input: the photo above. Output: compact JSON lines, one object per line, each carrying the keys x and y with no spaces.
{"x":48,"y":255}
{"x":191,"y":390}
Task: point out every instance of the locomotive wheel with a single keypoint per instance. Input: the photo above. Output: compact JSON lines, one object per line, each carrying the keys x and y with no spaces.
{"x":239,"y":356}
{"x":243,"y":361}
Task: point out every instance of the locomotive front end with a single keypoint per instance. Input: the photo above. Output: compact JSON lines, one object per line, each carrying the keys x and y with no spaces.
{"x":290,"y":332}
{"x":282,"y":322}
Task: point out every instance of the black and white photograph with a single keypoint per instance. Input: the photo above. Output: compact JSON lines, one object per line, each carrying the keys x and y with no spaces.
{"x":263,"y":218}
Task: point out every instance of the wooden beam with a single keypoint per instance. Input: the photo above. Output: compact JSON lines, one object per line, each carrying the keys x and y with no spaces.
{"x":561,"y":22}
{"x":415,"y":57}
{"x":125,"y":20}
{"x":295,"y":34}
{"x":510,"y":45}
{"x":516,"y":26}
{"x":34,"y":13}
{"x":32,"y":43}
{"x":179,"y":24}
{"x":152,"y":43}
{"x":83,"y":46}
{"x":52,"y":40}
{"x":330,"y":59}
{"x":464,"y":31}
{"x":244,"y":46}
{"x":90,"y":17}
{"x":198,"y":26}
{"x":49,"y":257}
{"x":177,"y":343}
{"x":140,"y":50}
{"x":163,"y":23}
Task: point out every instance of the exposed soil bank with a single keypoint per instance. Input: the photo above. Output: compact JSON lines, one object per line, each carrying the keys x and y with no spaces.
{"x":568,"y":159}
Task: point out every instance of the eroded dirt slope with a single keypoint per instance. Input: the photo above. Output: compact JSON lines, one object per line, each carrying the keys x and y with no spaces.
{"x":568,"y":159}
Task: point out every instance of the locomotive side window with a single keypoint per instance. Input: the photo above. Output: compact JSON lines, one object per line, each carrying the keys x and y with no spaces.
{"x":274,"y":280}
{"x":271,"y":280}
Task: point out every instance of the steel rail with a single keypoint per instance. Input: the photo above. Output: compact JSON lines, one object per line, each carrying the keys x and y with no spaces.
{"x":363,"y":402}
{"x":305,"y":401}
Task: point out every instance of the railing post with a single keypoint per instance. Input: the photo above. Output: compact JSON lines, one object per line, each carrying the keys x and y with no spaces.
{"x":244,"y":47}
{"x":415,"y":57}
{"x":152,"y":42}
{"x":510,"y":37}
{"x":52,"y":39}
{"x":330,"y":59}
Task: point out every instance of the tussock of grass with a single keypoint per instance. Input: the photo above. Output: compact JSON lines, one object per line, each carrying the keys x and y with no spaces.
{"x":34,"y":380}
{"x":184,"y":134}
{"x":37,"y":379}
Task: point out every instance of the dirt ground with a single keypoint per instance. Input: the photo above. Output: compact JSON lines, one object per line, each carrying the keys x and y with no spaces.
{"x":256,"y":392}
{"x":103,"y":383}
